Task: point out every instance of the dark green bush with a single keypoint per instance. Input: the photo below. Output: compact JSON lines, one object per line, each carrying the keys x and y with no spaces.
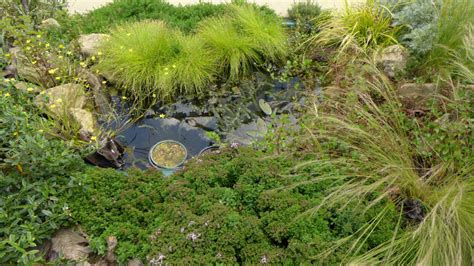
{"x":225,"y":208}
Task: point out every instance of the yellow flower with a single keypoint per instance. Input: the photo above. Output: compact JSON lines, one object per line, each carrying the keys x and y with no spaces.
{"x":97,"y":71}
{"x":15,"y":133}
{"x":7,"y":94}
{"x":42,"y":92}
{"x":47,"y":45}
{"x":83,"y":64}
{"x":61,"y":46}
{"x":93,"y":138}
{"x":69,"y":53}
{"x":99,"y":53}
{"x":58,"y":78}
{"x":130,"y":50}
{"x":8,"y":55}
{"x":59,"y":101}
{"x":166,"y":73}
{"x":128,"y":34}
{"x":52,"y":71}
{"x":12,"y":79}
{"x":29,"y":89}
{"x":104,"y":82}
{"x":154,"y":95}
{"x":52,"y":106}
{"x":28,"y":41}
{"x":28,"y":48}
{"x":162,"y":115}
{"x":166,"y":69}
{"x":93,"y":58}
{"x":38,"y":36}
{"x":33,"y":62}
{"x":6,"y":80}
{"x":121,"y":47}
{"x":174,"y":66}
{"x":40,"y":131}
{"x":124,"y":97}
{"x":60,"y":57}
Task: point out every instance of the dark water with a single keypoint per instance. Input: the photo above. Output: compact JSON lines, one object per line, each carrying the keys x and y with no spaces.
{"x":141,"y":136}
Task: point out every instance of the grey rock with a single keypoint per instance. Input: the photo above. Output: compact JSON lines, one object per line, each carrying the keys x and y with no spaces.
{"x":85,"y":119}
{"x":61,"y":98}
{"x":135,"y":262}
{"x":90,"y":43}
{"x":50,"y":24}
{"x":392,"y":60}
{"x":249,"y":133}
{"x":206,"y":122}
{"x":416,"y":96}
{"x":71,"y":245}
{"x":23,"y":67}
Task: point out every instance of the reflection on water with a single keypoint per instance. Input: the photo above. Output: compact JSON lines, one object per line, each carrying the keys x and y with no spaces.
{"x":141,"y":136}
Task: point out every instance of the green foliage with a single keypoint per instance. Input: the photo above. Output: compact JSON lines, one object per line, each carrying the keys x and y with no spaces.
{"x":33,"y":175}
{"x":429,"y":160}
{"x":244,"y":38}
{"x":152,"y":61}
{"x":118,"y":12}
{"x":232,"y":207}
{"x":436,"y":32}
{"x":37,"y":10}
{"x":358,"y":29}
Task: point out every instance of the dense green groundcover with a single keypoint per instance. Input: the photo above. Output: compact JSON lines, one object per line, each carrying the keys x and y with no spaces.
{"x":225,"y":208}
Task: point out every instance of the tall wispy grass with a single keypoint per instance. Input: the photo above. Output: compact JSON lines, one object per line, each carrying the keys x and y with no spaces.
{"x":453,"y":28}
{"x":383,"y":158}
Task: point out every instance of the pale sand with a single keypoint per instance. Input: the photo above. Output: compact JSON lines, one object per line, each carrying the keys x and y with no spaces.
{"x":280,"y":6}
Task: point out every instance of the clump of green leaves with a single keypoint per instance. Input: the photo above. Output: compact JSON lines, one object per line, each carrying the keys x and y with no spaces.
{"x":435,"y":31}
{"x":34,"y":172}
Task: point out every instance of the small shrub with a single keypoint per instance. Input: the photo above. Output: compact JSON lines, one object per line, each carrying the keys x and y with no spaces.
{"x":227,"y":208}
{"x":304,"y":12}
{"x":435,"y":31}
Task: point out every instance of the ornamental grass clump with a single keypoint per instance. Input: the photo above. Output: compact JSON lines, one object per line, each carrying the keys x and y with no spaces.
{"x":430,"y":180}
{"x":150,"y":61}
{"x":245,"y":38}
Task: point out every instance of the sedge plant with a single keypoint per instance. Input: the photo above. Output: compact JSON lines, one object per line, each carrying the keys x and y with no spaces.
{"x":151,"y":61}
{"x":243,"y":39}
{"x":357,"y":29}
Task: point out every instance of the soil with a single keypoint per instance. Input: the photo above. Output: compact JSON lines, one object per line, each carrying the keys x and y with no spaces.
{"x":168,"y":154}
